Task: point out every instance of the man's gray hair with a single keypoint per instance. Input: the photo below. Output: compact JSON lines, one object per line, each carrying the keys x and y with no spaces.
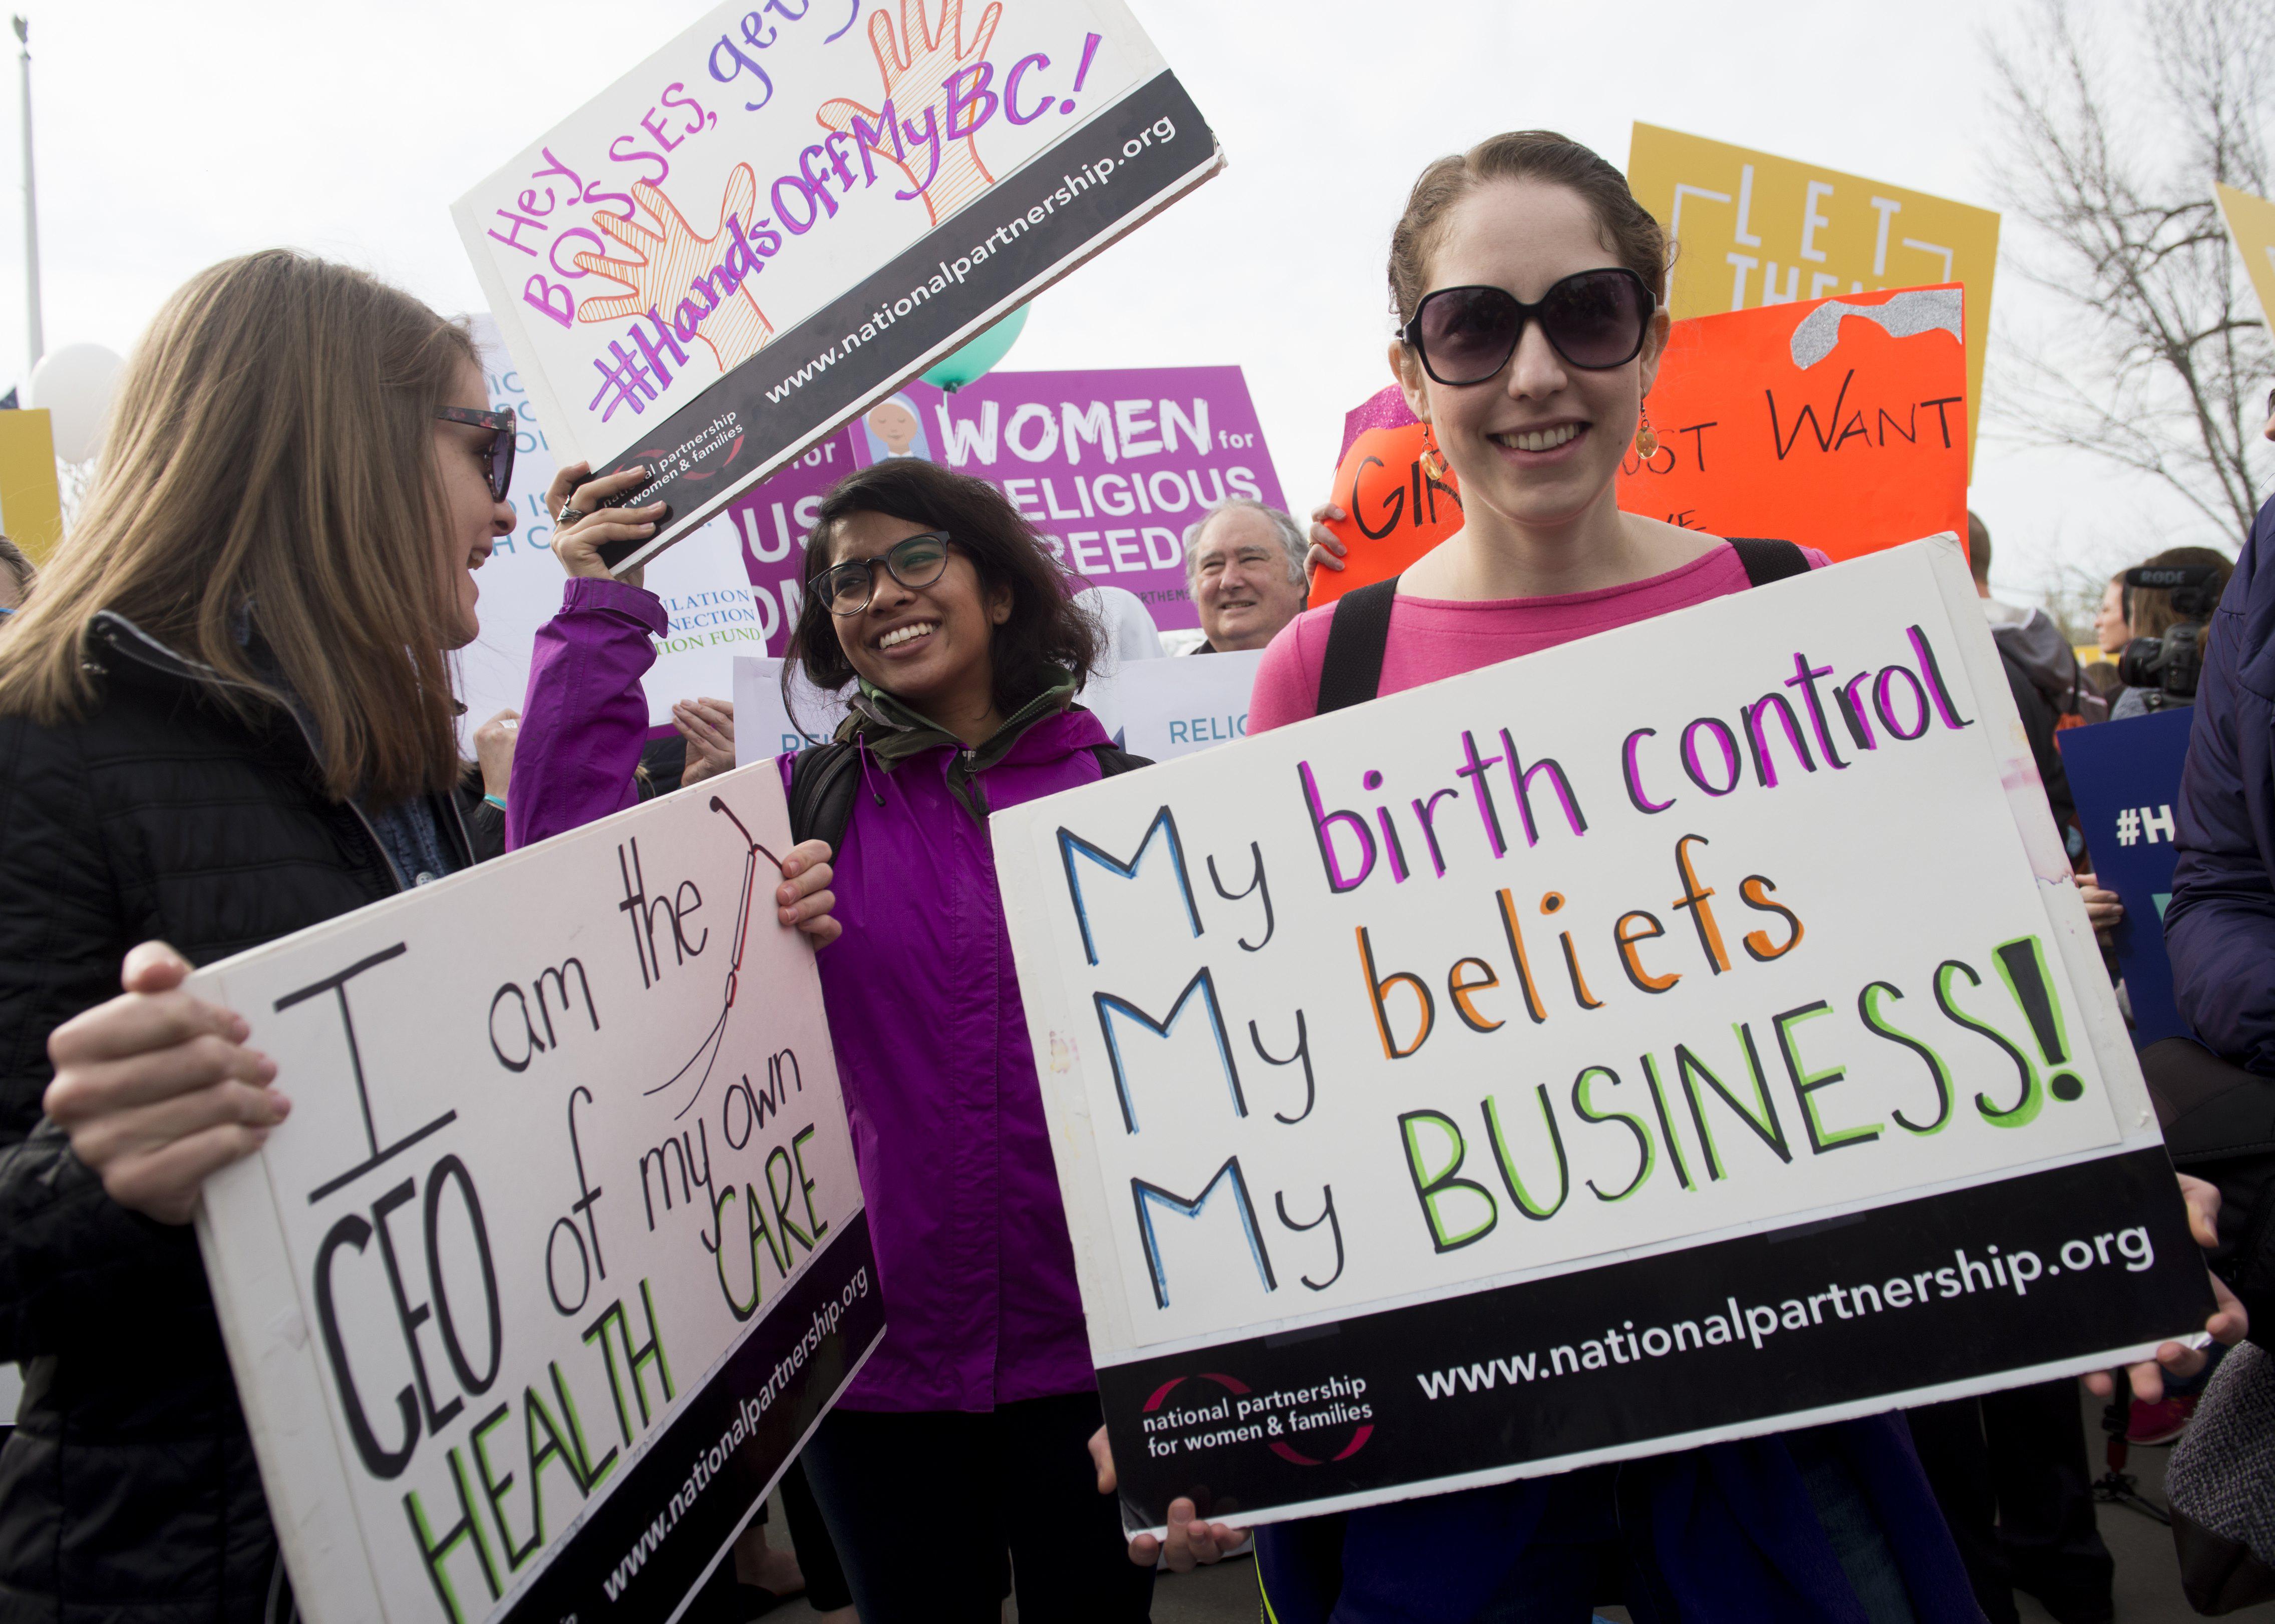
{"x":1293,"y":541}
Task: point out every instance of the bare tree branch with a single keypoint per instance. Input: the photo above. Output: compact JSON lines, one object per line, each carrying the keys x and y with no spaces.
{"x":2161,"y":367}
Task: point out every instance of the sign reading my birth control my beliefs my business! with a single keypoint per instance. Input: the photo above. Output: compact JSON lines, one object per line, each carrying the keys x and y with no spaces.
{"x":1752,"y":229}
{"x":561,"y":1255}
{"x":790,"y":209}
{"x":1684,"y":1033}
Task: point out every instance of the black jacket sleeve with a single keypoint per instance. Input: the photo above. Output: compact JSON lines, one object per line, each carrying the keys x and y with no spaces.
{"x":75,"y":1266}
{"x":2038,"y":725}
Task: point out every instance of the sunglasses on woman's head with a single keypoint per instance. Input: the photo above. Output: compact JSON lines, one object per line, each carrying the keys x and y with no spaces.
{"x":1595,"y":320}
{"x":913,"y":561}
{"x":497,"y":455}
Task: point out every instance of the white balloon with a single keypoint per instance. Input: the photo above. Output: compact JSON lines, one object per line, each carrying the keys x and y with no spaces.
{"x":73,"y":385}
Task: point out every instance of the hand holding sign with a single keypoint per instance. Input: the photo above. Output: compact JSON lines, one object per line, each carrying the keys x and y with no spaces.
{"x":156,"y":1089}
{"x":2229,"y":1326}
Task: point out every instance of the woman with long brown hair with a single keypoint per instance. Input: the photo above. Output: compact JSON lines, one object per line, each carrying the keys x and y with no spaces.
{"x":225,"y":716}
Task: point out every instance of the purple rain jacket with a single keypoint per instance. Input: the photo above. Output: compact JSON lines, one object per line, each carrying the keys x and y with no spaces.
{"x":2220,"y":928}
{"x":924,"y":1014}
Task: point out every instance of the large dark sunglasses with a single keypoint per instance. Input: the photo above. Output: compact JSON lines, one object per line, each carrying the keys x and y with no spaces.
{"x":915,"y":561}
{"x":497,"y":455}
{"x":1596,"y":321}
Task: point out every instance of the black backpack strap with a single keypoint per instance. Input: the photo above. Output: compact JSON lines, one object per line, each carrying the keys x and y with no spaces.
{"x":1350,"y":672}
{"x":823,"y":779}
{"x":1769,"y":561}
{"x":1113,"y":763}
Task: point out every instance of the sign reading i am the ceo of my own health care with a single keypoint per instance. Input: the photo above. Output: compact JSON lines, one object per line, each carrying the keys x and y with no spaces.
{"x":562,"y":1254}
{"x":790,"y":209}
{"x":1680,"y":1034}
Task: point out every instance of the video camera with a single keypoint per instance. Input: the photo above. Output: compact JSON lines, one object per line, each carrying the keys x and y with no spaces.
{"x":2169,"y":666}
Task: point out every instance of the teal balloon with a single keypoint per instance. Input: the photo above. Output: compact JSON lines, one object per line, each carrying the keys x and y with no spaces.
{"x":974,"y":362}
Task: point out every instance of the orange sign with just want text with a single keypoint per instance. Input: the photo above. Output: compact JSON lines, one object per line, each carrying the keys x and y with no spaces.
{"x":1838,"y":423}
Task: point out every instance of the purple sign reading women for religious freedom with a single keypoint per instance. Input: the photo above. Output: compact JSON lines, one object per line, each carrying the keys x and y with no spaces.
{"x":1110,"y":466}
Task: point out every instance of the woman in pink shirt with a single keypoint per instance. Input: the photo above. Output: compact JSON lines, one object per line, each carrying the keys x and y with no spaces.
{"x":1544,"y":555}
{"x":1529,"y":288}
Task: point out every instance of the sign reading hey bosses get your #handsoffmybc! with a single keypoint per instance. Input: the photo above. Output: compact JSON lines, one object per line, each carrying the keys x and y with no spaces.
{"x":1683,"y":1034}
{"x":561,"y":1255}
{"x":783,"y":213}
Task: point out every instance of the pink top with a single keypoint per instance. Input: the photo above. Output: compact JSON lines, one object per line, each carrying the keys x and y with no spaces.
{"x":1432,"y":637}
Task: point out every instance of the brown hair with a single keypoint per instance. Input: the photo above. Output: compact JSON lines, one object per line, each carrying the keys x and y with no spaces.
{"x":2149,"y":610}
{"x":1979,"y":547}
{"x":1627,"y":228}
{"x":272,"y":448}
{"x":1046,"y":634}
{"x":19,"y":568}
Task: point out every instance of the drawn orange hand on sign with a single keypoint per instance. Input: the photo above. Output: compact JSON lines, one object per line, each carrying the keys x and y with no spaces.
{"x":934,"y":73}
{"x":670,"y":270}
{"x":1838,"y":423}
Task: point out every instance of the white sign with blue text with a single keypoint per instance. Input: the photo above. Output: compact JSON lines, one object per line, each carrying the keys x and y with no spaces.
{"x":561,"y":1255}
{"x":1677,"y":1034}
{"x":1175,"y":707}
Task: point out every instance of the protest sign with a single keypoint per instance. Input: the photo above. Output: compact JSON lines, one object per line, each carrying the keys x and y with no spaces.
{"x":1752,"y":229}
{"x":1176,"y":708}
{"x":778,"y":218}
{"x":2251,"y":227}
{"x":1602,"y":1053}
{"x":1394,"y":509}
{"x":1840,"y":424}
{"x":517,"y":1335}
{"x":2125,"y":776}
{"x":764,"y":726}
{"x":713,"y":610}
{"x":1110,"y":466}
{"x":31,"y":497}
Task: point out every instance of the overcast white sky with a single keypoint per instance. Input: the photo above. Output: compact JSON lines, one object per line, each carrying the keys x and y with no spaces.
{"x":172,"y":135}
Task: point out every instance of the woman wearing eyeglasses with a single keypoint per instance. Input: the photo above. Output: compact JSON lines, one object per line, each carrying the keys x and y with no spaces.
{"x":960,"y":1448}
{"x":225,"y":714}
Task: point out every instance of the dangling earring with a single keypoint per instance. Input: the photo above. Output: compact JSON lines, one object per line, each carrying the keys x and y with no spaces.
{"x":1433,"y":461}
{"x":1647,"y":440}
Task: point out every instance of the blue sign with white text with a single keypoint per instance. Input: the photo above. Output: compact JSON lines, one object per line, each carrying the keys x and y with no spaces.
{"x":2127,"y":778}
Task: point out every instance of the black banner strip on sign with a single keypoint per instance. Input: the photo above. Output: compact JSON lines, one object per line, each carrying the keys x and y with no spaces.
{"x":1945,"y":1289}
{"x":809,"y":380}
{"x":652,"y":1540}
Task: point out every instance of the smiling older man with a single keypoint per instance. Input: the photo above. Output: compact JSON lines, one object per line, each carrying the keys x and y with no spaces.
{"x":1244,"y":565}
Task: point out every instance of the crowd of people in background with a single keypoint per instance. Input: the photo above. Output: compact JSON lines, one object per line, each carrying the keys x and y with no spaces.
{"x":226,"y":714}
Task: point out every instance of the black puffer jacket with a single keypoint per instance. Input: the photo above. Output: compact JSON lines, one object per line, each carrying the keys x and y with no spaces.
{"x":128,"y":1491}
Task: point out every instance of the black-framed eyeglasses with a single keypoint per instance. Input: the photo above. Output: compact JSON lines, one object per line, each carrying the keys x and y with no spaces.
{"x":1596,"y":320}
{"x":913,"y":561}
{"x":497,"y":455}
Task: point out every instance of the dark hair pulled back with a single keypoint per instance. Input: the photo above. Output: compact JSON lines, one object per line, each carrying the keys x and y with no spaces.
{"x":1046,"y":634}
{"x":1627,"y":228}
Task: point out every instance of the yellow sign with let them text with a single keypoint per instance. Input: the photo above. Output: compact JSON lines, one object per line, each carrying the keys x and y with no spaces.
{"x":2251,"y":224}
{"x":1752,"y":229}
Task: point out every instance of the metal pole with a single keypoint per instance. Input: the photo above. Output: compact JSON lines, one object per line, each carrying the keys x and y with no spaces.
{"x":31,"y":207}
